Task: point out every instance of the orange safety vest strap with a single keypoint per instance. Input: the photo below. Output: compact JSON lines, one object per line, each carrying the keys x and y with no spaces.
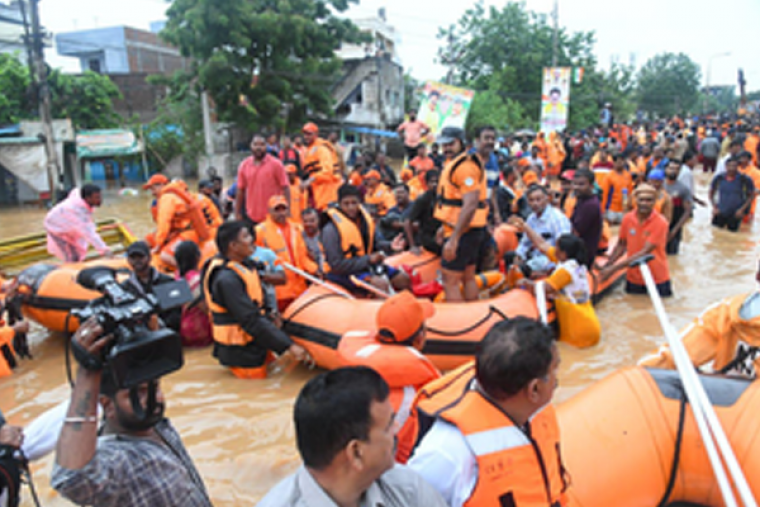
{"x":226,"y":330}
{"x":352,"y":243}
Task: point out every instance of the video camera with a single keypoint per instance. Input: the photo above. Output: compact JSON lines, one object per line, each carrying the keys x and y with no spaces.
{"x":137,"y":354}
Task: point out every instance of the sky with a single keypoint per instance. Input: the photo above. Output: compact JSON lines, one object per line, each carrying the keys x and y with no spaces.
{"x":624,"y":30}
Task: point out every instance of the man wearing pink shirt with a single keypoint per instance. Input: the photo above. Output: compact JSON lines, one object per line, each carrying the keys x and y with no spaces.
{"x":71,"y":228}
{"x":260,"y":177}
{"x":413,"y":131}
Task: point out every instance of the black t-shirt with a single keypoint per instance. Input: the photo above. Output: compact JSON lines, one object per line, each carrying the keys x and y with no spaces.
{"x":422,"y":212}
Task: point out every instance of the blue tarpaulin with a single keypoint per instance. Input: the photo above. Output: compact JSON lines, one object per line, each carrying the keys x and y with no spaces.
{"x":372,"y":132}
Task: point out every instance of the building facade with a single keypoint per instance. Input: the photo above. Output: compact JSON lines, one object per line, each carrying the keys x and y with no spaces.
{"x":120,"y":50}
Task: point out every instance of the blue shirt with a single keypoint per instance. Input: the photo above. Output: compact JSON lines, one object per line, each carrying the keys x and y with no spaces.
{"x":268,"y":258}
{"x":492,"y":171}
{"x":732,"y":194}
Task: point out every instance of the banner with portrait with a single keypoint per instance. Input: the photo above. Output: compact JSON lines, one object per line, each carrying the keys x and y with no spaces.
{"x":555,"y":98}
{"x":442,"y":106}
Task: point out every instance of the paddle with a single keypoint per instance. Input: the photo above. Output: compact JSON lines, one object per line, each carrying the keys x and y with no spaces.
{"x":369,"y":287}
{"x":540,"y":289}
{"x":315,"y":280}
{"x":709,"y":426}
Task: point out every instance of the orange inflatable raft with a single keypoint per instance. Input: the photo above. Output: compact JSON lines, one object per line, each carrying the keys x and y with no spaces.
{"x":629,"y":441}
{"x":50,"y":291}
{"x":427,"y":265}
{"x":319,"y":318}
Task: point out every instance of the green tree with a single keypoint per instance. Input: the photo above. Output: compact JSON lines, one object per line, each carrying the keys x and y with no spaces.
{"x":411,"y":93}
{"x":178,"y":129}
{"x":615,"y":86}
{"x":15,"y":99}
{"x":279,"y":56}
{"x":488,"y":108}
{"x":668,"y":84}
{"x":86,"y":99}
{"x":505,"y":50}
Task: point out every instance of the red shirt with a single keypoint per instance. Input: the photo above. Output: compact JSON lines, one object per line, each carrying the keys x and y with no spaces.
{"x":260,"y":182}
{"x":636,"y":234}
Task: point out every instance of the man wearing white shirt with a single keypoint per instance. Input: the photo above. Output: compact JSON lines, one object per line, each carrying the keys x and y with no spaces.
{"x":493,"y":415}
{"x":686,"y":175}
{"x":345,"y":432}
{"x":546,"y":220}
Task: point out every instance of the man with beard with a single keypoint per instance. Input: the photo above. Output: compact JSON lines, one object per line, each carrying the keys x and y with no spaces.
{"x":140,"y":462}
{"x":683,"y":203}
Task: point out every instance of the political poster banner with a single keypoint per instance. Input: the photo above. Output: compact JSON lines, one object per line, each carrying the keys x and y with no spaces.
{"x":555,"y":98}
{"x":442,"y":106}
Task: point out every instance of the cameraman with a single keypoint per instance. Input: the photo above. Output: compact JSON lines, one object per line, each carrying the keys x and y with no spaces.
{"x":244,"y":337}
{"x":11,"y":438}
{"x":136,"y":462}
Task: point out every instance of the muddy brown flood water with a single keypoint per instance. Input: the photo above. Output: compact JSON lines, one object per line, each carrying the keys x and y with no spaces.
{"x":240,"y":433}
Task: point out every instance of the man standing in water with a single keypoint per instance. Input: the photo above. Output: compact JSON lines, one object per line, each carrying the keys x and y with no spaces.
{"x":71,"y":228}
{"x":245,"y":338}
{"x":643,"y":231}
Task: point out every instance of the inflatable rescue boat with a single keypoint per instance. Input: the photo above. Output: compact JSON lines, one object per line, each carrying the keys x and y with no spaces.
{"x":49,"y":292}
{"x":630,"y":440}
{"x":427,"y":265}
{"x":319,"y":318}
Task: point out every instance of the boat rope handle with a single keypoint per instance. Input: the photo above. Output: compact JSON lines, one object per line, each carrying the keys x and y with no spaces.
{"x":492,"y":310}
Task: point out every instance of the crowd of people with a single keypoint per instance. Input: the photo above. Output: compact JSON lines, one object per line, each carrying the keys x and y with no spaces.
{"x":296,"y":213}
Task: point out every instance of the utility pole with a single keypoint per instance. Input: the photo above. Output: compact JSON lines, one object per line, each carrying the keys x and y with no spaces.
{"x":43,"y":97}
{"x":555,"y":37}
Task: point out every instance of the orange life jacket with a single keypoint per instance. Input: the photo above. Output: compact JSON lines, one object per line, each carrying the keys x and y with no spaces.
{"x":381,"y":198}
{"x":327,"y":180}
{"x":449,"y":199}
{"x":351,"y":241}
{"x":193,"y":212}
{"x":269,"y":235}
{"x":210,"y":213}
{"x":515,"y":467}
{"x":7,"y":354}
{"x":225,"y":329}
{"x":403,"y":368}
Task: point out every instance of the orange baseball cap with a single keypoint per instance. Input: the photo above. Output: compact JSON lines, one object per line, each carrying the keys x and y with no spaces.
{"x":530,"y":178}
{"x":277,"y":200}
{"x":311,"y":127}
{"x":372,"y":174}
{"x":291,"y":169}
{"x":401,"y":317}
{"x":355,"y":178}
{"x":156,"y":179}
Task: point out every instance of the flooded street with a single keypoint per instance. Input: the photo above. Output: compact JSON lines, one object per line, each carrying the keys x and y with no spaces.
{"x":240,"y":433}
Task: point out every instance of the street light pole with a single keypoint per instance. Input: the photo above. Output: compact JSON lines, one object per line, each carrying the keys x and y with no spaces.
{"x":707,"y":78}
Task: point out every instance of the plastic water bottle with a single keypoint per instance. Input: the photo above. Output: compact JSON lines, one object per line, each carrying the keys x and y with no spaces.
{"x":625,"y":199}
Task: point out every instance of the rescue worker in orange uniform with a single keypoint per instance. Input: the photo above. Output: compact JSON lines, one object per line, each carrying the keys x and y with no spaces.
{"x":393,"y":350}
{"x":179,"y":217}
{"x":321,"y":168}
{"x":494,"y":439}
{"x":462,"y":208}
{"x":379,"y":198}
{"x":245,"y":338}
{"x":299,"y":201}
{"x":284,"y":237}
{"x":211,"y":212}
{"x":726,"y":333}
